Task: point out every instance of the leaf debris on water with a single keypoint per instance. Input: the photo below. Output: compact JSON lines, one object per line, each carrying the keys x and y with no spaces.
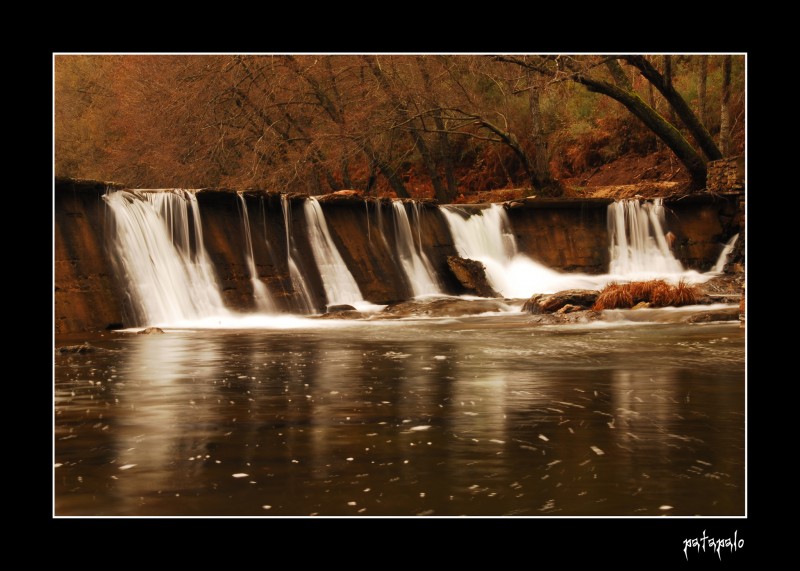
{"x":543,"y":437}
{"x":127,"y":466}
{"x":596,"y":450}
{"x":240,"y":475}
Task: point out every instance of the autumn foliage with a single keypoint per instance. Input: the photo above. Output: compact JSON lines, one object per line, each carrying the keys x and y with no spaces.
{"x":442,"y":126}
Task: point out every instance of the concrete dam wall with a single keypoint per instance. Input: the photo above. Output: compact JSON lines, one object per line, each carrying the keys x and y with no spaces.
{"x":257,"y":250}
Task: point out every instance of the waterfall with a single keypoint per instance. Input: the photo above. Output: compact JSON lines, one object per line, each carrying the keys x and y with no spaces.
{"x":485,"y":236}
{"x":414,"y":262}
{"x":299,"y":283}
{"x":158,"y":246}
{"x":639,"y":246}
{"x":340,"y":286}
{"x":260,"y":294}
{"x":719,"y":267}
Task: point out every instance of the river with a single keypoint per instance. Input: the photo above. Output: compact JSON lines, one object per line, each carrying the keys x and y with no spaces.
{"x":478,"y":416}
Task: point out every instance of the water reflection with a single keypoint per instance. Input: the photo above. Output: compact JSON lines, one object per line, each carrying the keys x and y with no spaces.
{"x":459,"y":417}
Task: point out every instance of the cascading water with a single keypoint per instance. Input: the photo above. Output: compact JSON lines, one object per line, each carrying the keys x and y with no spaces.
{"x":298,"y":280}
{"x":719,"y":267}
{"x":340,"y":286}
{"x":158,"y":246}
{"x":159,"y":250}
{"x":415,"y":263}
{"x":639,"y":245}
{"x":260,"y":293}
{"x":486,"y":236}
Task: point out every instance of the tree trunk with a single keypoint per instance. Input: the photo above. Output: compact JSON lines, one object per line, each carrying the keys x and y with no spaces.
{"x":668,"y":85}
{"x":346,"y":180}
{"x":512,"y":142}
{"x":661,"y":127}
{"x":394,"y":180}
{"x":725,"y":112}
{"x":678,"y":103}
{"x":401,"y":106}
{"x":447,"y":159}
{"x":445,"y":152}
{"x":702,"y":87}
{"x":541,"y":159}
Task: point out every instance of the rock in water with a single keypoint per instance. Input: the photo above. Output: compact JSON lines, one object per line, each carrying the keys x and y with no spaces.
{"x":577,"y":299}
{"x":151,"y":331}
{"x":731,"y":314}
{"x":447,"y":307}
{"x":569,"y":308}
{"x":472,"y":275}
{"x":559,"y":318}
{"x":340,"y":307}
{"x":85,"y":348}
{"x":341,"y":314}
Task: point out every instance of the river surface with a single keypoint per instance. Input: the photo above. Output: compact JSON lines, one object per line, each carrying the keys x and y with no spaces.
{"x":481,"y":416}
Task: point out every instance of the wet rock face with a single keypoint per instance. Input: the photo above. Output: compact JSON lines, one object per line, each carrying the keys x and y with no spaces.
{"x":566,"y":301}
{"x":87,"y":294}
{"x":472,"y":275}
{"x":564,"y":234}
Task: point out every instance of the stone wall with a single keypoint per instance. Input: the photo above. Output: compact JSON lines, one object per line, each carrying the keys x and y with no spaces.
{"x":726,"y":175}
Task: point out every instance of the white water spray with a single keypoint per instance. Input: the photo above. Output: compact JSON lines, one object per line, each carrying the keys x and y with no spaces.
{"x":486,"y":236}
{"x":158,"y":246}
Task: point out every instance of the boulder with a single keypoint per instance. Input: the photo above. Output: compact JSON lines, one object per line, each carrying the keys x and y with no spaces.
{"x":569,"y":308}
{"x":581,"y":316}
{"x":550,"y":303}
{"x":340,"y":307}
{"x":342,"y":314}
{"x":731,"y":314}
{"x":472,"y":275}
{"x":151,"y":331}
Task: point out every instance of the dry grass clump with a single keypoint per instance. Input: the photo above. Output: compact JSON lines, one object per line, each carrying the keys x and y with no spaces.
{"x":684,"y":294}
{"x":658,"y":293}
{"x":647,"y":291}
{"x":614,"y":296}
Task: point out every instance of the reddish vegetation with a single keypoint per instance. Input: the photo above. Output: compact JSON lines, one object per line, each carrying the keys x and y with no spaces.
{"x":657,"y":293}
{"x":460,"y":128}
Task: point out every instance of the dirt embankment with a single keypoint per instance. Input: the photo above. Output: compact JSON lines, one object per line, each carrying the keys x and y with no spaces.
{"x":631,"y":176}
